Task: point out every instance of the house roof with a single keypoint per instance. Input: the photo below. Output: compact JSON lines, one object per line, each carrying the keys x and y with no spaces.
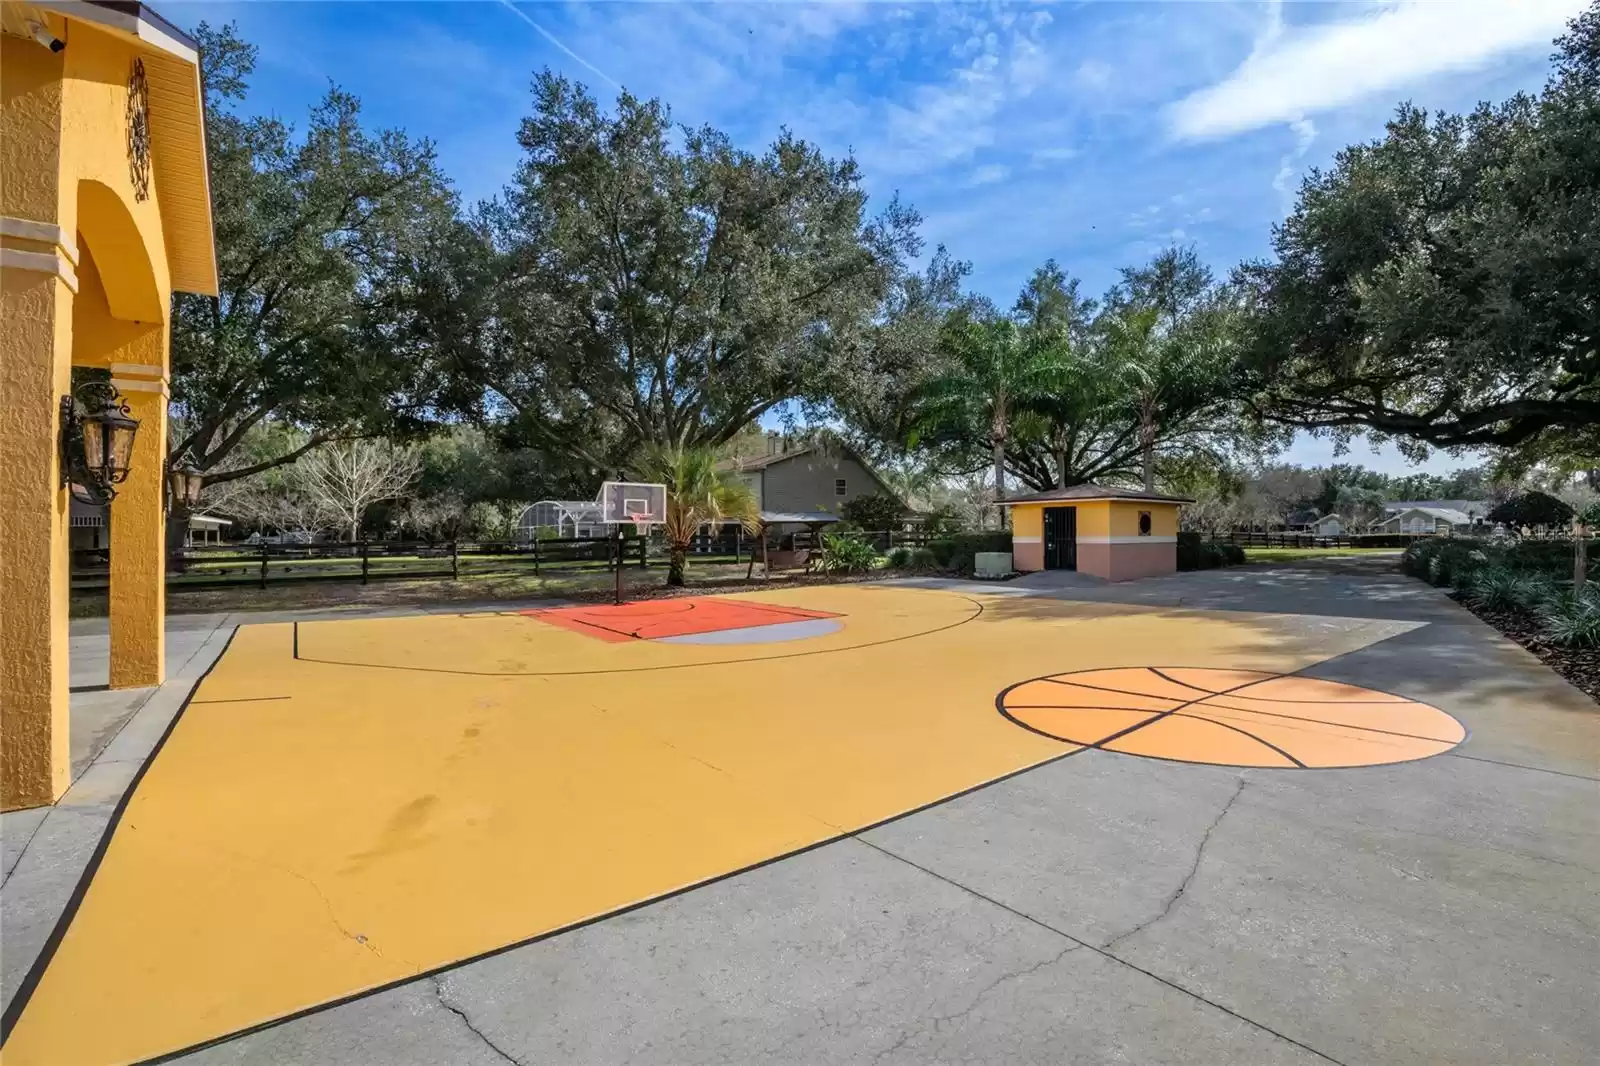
{"x":1094,"y":492}
{"x":1468,"y":507}
{"x":1443,"y":514}
{"x":1323,"y":518}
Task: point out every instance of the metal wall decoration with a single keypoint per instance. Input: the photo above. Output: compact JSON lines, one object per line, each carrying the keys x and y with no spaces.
{"x":139,"y":132}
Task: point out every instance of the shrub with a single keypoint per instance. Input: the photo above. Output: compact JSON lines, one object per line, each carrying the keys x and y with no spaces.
{"x":941,"y":521}
{"x":1572,"y":617}
{"x":844,"y":555}
{"x":1196,"y":553}
{"x":1533,"y":509}
{"x":900,"y":557}
{"x":874,"y":512}
{"x":946,"y":550}
{"x":922,"y":559}
{"x":1496,"y":588}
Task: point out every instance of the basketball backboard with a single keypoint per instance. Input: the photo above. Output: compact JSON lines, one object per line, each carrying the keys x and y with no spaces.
{"x":633,"y":501}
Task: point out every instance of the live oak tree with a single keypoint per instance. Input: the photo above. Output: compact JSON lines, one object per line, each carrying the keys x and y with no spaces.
{"x":1438,"y":285}
{"x":323,"y":240}
{"x":662,"y":287}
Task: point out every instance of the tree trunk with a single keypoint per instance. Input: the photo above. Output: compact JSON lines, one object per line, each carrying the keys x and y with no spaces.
{"x":677,"y":562}
{"x":1147,"y":445}
{"x":1580,"y":557}
{"x":177,"y":527}
{"x":1000,"y":478}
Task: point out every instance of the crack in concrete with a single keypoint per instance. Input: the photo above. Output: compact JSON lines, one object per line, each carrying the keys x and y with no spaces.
{"x":1175,"y":986}
{"x":939,"y":1021}
{"x":1199,"y":857}
{"x":438,"y":994}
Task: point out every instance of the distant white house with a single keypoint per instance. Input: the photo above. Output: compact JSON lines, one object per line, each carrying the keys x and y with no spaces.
{"x":1329,"y":525}
{"x":1425,"y":520}
{"x":89,"y":531}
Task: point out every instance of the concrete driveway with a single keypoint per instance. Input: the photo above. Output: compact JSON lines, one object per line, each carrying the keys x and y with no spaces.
{"x":1106,"y":908}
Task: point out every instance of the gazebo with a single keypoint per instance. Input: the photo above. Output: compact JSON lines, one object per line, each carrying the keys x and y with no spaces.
{"x":569,"y":518}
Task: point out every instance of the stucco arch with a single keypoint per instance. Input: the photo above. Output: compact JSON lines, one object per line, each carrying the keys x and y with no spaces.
{"x":127,"y":273}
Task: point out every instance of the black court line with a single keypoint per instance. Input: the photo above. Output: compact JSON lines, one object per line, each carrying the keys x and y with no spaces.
{"x":1153,"y":715}
{"x":1275,"y":699}
{"x":1250,"y":710}
{"x":1182,"y":706}
{"x":974,"y":616}
{"x":244,"y":699}
{"x":30,"y":982}
{"x":1343,"y":725}
{"x":399,"y":982}
{"x":999,"y":703}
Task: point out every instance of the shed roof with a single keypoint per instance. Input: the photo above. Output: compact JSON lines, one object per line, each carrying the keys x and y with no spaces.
{"x":1094,"y":492}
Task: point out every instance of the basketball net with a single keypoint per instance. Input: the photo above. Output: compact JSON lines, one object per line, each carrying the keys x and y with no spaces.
{"x":641,"y":524}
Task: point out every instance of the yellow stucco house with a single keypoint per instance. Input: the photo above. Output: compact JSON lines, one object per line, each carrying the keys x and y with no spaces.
{"x":1117,"y":534}
{"x":105,"y":211}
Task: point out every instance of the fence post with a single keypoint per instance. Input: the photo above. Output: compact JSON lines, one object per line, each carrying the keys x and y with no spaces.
{"x":363,"y":562}
{"x":263,"y":564}
{"x":535,"y":553}
{"x":455,"y":560}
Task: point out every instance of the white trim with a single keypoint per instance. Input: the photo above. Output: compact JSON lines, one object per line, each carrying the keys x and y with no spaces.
{"x":1026,"y":540}
{"x":1127,"y":540}
{"x":133,"y":25}
{"x":137,"y":370}
{"x":42,"y":263}
{"x":139,"y":385}
{"x":44,"y":232}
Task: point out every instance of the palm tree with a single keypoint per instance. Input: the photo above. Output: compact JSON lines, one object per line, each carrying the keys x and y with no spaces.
{"x":994,"y":369}
{"x":698,"y":494}
{"x":1170,"y":370}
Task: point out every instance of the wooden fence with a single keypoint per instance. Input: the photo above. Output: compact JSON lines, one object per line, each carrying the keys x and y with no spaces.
{"x":230,"y":565}
{"x":1252,"y":539}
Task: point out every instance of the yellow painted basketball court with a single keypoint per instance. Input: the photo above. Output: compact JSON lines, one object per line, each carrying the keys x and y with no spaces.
{"x":347,"y":805}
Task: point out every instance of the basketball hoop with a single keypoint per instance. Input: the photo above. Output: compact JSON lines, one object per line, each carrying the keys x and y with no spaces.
{"x":641,"y":524}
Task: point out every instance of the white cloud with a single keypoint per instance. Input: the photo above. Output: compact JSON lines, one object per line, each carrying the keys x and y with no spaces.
{"x":1296,"y":72}
{"x":988,"y":175}
{"x":1094,"y":74}
{"x":1283,"y":182}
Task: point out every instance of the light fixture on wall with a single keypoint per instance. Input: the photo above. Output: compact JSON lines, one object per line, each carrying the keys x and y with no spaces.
{"x":184,"y":481}
{"x":97,"y":433}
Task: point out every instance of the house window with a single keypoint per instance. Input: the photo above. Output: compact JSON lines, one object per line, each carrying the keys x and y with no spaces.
{"x":839,"y":487}
{"x":1144,"y":523}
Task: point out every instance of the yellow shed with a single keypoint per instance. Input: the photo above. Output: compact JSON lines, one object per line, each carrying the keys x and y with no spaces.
{"x":1117,"y":534}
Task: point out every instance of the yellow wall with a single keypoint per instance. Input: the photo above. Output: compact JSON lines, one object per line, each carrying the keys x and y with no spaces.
{"x":1125,"y":518}
{"x":66,"y":193}
{"x":1027,"y":521}
{"x":1099,"y":518}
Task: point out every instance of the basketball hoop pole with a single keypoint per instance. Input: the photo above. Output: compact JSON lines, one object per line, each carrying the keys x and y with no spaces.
{"x":621,"y":538}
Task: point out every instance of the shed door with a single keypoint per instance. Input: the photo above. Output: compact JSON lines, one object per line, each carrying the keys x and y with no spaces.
{"x":1060,"y":538}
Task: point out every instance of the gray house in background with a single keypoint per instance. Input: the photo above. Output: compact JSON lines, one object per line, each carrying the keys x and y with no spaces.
{"x":802,"y":485}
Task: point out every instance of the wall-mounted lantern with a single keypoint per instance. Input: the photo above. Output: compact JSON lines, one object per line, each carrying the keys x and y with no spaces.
{"x":97,"y":432}
{"x":184,"y":481}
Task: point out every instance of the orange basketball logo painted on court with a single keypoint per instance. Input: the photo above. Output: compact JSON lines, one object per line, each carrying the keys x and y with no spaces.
{"x":1230,"y":717}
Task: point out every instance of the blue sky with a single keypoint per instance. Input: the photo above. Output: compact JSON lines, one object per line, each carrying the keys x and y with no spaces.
{"x":1096,"y":133}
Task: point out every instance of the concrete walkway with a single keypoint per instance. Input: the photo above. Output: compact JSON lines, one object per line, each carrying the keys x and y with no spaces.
{"x":1103,"y":908}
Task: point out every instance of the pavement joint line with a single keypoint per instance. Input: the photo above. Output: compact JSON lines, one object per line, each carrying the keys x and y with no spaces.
{"x":1101,"y":951}
{"x":1519,"y":766}
{"x":1199,"y":857}
{"x":438,"y":994}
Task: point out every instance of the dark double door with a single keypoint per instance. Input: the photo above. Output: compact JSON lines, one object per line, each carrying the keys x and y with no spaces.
{"x":1060,"y":538}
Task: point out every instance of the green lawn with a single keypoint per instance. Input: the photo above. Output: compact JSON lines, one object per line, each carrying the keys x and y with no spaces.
{"x":1285,"y":555}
